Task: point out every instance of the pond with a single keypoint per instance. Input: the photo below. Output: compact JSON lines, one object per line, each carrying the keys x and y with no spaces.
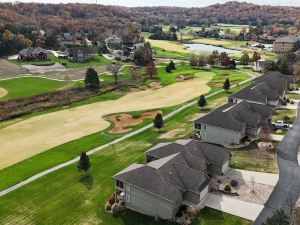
{"x":210,"y":48}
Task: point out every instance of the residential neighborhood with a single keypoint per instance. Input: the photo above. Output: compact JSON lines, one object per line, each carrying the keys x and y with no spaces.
{"x":149,"y":113}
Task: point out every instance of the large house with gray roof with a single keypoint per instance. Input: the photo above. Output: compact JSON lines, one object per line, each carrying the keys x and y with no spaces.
{"x":171,"y":178}
{"x":286,"y":44}
{"x":231,"y":123}
{"x":34,"y":53}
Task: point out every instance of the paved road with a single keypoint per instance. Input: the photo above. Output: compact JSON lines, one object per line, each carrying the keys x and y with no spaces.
{"x":60,"y":166}
{"x":287,"y":190}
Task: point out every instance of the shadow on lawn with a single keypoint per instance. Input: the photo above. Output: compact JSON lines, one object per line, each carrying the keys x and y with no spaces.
{"x":87,"y":181}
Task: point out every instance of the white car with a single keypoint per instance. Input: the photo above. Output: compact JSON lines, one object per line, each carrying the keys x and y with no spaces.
{"x":280,"y":124}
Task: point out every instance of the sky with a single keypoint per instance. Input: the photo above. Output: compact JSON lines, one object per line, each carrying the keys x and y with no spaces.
{"x":180,"y":3}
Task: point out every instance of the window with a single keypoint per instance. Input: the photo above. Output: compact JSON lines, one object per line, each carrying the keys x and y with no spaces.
{"x":127,"y":187}
{"x":119,"y":184}
{"x":197,"y":125}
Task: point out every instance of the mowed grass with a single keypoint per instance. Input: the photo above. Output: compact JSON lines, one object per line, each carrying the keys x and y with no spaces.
{"x":96,"y":60}
{"x":68,"y":197}
{"x":28,"y":86}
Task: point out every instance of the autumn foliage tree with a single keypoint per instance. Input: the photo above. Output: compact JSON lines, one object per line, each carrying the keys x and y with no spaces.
{"x":151,"y":69}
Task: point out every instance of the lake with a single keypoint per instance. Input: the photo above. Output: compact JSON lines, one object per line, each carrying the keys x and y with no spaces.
{"x":210,"y":48}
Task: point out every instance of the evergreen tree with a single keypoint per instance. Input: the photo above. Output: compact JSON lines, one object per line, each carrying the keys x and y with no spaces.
{"x":172,"y":65}
{"x":91,"y":79}
{"x":245,"y":59}
{"x":202,"y":101}
{"x":168,"y":69}
{"x":84,"y":162}
{"x":278,"y":218}
{"x":158,"y":121}
{"x":226,"y":85}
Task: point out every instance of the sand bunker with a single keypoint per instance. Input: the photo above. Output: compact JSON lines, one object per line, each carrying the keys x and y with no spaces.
{"x":171,"y":133}
{"x":3,"y":92}
{"x":27,"y":138}
{"x":123,"y":122}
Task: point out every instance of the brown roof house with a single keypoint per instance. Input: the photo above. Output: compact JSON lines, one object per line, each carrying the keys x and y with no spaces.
{"x":34,"y":53}
{"x":286,"y":44}
{"x":177,"y":175}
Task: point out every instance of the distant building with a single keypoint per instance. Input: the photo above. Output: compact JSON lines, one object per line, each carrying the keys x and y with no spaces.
{"x":266,"y":39}
{"x":113,"y":42}
{"x":260,"y":65}
{"x":34,"y":53}
{"x":77,"y":54}
{"x":286,"y":44}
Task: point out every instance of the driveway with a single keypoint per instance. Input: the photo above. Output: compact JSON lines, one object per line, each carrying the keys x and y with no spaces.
{"x":258,"y":177}
{"x":287,"y":190}
{"x":235,"y":207}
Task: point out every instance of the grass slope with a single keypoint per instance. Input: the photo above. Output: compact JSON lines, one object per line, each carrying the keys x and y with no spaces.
{"x":80,"y":199}
{"x":28,"y":86}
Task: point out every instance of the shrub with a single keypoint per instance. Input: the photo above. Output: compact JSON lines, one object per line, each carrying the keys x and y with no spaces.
{"x":115,"y":209}
{"x":284,"y":103}
{"x":111,"y":200}
{"x":107,"y":207}
{"x":286,"y":118}
{"x":292,"y":102}
{"x":227,"y":187}
{"x":287,"y":100}
{"x":234,"y":183}
{"x":191,"y":212}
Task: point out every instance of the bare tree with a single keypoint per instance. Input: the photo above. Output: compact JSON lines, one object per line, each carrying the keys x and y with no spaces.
{"x":265,"y":132}
{"x":114,"y":68}
{"x":134,"y":72}
{"x":67,"y":81}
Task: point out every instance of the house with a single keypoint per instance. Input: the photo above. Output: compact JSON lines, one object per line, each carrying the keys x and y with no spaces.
{"x":77,"y":54}
{"x":217,"y":157}
{"x":266,"y":39}
{"x":34,"y":53}
{"x":163,"y":185}
{"x":232,"y":123}
{"x":113,"y":42}
{"x":286,"y":44}
{"x":260,"y":65}
{"x":258,"y":93}
{"x":277,"y":81}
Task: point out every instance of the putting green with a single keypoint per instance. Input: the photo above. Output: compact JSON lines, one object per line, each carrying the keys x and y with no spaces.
{"x":37,"y":134}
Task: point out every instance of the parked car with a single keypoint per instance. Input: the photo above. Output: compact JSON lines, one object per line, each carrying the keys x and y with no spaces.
{"x":280,"y":124}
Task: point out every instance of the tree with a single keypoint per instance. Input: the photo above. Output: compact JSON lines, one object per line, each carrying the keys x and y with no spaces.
{"x":225,"y":62}
{"x":172,"y":65}
{"x":202,"y":101}
{"x":193,"y":60}
{"x":297,"y":70}
{"x":232,"y":64}
{"x":134,"y":72}
{"x":172,"y":30}
{"x":168,"y":69}
{"x":213,"y":58}
{"x":226,"y":85}
{"x":202,"y":61}
{"x":278,"y":218}
{"x":158,"y":121}
{"x":245,"y":59}
{"x":91,"y":79}
{"x":223,"y":56}
{"x":265,"y":132}
{"x":151,"y":69}
{"x":143,"y":55}
{"x":114,"y":68}
{"x":256,"y":56}
{"x":84,"y":163}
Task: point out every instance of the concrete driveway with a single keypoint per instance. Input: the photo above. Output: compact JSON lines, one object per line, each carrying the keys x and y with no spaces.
{"x":247,"y":210}
{"x":258,"y":177}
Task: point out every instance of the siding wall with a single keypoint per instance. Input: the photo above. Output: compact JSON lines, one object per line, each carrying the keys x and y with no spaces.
{"x":147,"y":203}
{"x":219,"y":136}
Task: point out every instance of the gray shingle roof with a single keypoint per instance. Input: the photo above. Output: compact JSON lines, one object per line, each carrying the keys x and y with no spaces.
{"x":287,"y":39}
{"x":237,"y":117}
{"x":211,"y":153}
{"x":33,"y":51}
{"x":258,"y":92}
{"x":167,"y":177}
{"x":75,"y":51}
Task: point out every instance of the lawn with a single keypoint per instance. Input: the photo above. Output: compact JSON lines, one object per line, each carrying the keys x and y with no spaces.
{"x":81,"y":200}
{"x":28,"y":86}
{"x":95,"y":61}
{"x":163,"y":53}
{"x":250,"y":158}
{"x":280,"y":114}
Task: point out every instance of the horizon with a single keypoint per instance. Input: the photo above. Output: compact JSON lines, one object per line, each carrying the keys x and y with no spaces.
{"x":152,"y":3}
